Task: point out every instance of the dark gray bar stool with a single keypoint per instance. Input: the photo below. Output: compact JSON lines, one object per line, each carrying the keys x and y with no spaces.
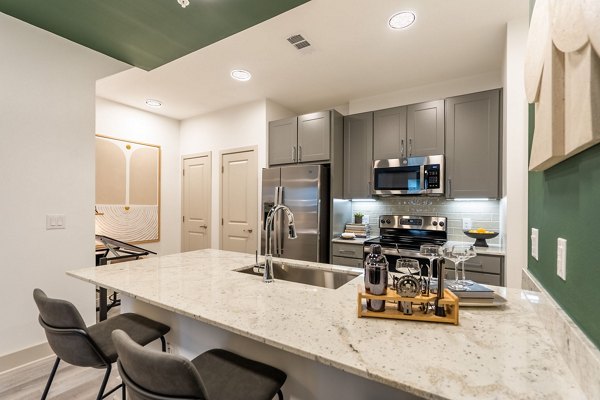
{"x":90,"y":346}
{"x":214,"y":375}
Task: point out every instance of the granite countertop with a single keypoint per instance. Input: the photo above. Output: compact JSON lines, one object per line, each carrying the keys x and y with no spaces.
{"x":492,"y":250}
{"x":494,"y":353}
{"x":351,"y":241}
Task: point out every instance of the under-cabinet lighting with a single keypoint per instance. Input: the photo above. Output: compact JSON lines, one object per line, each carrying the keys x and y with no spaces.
{"x":474,"y":199}
{"x":364,"y":200}
{"x":402,"y":20}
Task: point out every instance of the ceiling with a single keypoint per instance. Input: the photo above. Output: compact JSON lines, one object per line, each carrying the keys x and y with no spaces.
{"x":145,"y":33}
{"x":354,"y":54}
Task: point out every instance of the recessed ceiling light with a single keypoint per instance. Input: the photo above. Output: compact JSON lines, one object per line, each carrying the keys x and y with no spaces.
{"x":402,"y":20}
{"x":153,"y":103}
{"x":241,"y":75}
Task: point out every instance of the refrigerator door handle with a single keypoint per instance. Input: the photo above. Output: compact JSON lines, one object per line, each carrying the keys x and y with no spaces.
{"x":280,"y":219}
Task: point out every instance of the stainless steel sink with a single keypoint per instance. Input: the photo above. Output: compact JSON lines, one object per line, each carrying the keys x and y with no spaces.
{"x":303,"y":274}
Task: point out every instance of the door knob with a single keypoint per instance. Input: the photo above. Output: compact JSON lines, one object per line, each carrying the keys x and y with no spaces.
{"x":203,"y":226}
{"x":249,"y":230}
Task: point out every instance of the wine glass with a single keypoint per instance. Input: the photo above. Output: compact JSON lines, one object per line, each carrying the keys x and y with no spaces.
{"x":408,"y":266}
{"x":447,"y":253}
{"x":462,"y":253}
{"x":432,"y":252}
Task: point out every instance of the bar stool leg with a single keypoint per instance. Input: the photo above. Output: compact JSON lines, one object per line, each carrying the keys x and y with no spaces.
{"x":104,"y":382}
{"x":279,"y":394}
{"x":50,"y":378}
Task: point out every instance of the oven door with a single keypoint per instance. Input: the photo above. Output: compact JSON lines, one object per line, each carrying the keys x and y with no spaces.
{"x":392,"y":255}
{"x":392,"y":177}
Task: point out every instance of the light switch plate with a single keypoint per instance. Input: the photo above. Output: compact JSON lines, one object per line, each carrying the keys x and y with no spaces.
{"x":561,"y":258}
{"x":467,"y":224}
{"x":55,"y":221}
{"x":535,"y":234}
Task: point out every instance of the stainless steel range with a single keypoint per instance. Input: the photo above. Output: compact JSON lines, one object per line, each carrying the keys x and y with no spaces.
{"x":403,"y":235}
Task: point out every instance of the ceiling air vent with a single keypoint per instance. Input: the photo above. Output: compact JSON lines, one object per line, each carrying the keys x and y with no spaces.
{"x":298,"y":41}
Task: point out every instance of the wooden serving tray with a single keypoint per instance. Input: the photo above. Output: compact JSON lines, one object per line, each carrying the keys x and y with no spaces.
{"x":450,"y":303}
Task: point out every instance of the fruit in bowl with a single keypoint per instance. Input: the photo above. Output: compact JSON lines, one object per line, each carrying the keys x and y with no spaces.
{"x":480,"y":235}
{"x":480,"y":230}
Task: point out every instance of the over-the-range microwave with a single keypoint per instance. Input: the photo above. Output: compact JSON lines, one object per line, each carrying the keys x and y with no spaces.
{"x":408,"y":176}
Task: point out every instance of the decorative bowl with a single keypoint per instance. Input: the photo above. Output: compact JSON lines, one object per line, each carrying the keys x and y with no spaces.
{"x":481,"y":237}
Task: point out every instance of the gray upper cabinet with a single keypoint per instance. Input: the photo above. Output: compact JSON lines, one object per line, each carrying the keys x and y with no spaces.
{"x":425,"y":128}
{"x":314,"y":137}
{"x":389,"y":133}
{"x":282,"y":141}
{"x":472,"y":145}
{"x":414,"y":130}
{"x":358,"y":155}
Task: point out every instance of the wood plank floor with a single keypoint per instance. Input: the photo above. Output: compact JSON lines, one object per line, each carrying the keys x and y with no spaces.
{"x":70,"y":382}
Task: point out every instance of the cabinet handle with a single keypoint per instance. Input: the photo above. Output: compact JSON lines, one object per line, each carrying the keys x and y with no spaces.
{"x":402,"y":148}
{"x":293,"y":153}
{"x":409,"y":147}
{"x":346,"y":252}
{"x":449,"y":187}
{"x":299,"y":153}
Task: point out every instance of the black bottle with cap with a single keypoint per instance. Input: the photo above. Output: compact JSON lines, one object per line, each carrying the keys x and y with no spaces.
{"x":376,"y":277}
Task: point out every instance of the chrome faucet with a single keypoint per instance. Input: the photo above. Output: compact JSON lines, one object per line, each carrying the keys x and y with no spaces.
{"x":268,"y":273}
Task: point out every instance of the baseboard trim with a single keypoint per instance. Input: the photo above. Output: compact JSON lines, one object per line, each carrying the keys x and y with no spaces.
{"x":25,"y":356}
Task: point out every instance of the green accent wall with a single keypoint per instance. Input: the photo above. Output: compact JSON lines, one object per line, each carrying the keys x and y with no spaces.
{"x":145,"y":33}
{"x":564,"y":201}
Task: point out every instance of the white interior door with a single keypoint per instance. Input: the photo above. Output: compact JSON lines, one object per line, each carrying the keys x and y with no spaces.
{"x":196,"y":198}
{"x":239,"y":201}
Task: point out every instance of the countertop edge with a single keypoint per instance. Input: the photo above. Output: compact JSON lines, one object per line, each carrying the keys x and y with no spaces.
{"x":578,"y":351}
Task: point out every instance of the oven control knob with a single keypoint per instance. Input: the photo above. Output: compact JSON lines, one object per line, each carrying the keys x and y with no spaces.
{"x":434,"y":223}
{"x":442,"y":223}
{"x":382,"y":221}
{"x":388,"y":221}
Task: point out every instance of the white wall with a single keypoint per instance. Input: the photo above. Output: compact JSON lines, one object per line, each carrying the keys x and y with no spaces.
{"x":46,"y":167}
{"x":239,"y":126}
{"x":514,"y":204}
{"x":123,"y":122}
{"x":438,"y":90}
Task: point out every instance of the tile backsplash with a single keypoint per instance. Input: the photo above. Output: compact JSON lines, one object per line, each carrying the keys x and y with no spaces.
{"x":483,"y":213}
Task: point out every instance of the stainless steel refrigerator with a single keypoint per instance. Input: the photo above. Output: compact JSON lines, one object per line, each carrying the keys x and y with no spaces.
{"x":305,"y":190}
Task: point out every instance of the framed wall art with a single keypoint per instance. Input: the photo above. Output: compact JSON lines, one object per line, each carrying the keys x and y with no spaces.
{"x":127,"y":190}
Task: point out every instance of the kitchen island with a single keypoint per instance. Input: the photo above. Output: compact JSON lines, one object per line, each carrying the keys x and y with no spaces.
{"x":313,"y":333}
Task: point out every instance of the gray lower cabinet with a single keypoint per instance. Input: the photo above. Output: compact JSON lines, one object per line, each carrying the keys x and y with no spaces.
{"x":472,"y":145}
{"x":486,"y":269}
{"x":389,"y":133}
{"x":314,"y":137}
{"x":425,"y":128}
{"x":282,"y":141}
{"x":347,"y":262}
{"x":358,"y":155}
{"x":347,"y":254}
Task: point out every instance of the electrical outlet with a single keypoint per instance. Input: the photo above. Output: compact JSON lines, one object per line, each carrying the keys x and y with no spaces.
{"x":561,"y":258}
{"x":535,"y":234}
{"x":467,"y":224}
